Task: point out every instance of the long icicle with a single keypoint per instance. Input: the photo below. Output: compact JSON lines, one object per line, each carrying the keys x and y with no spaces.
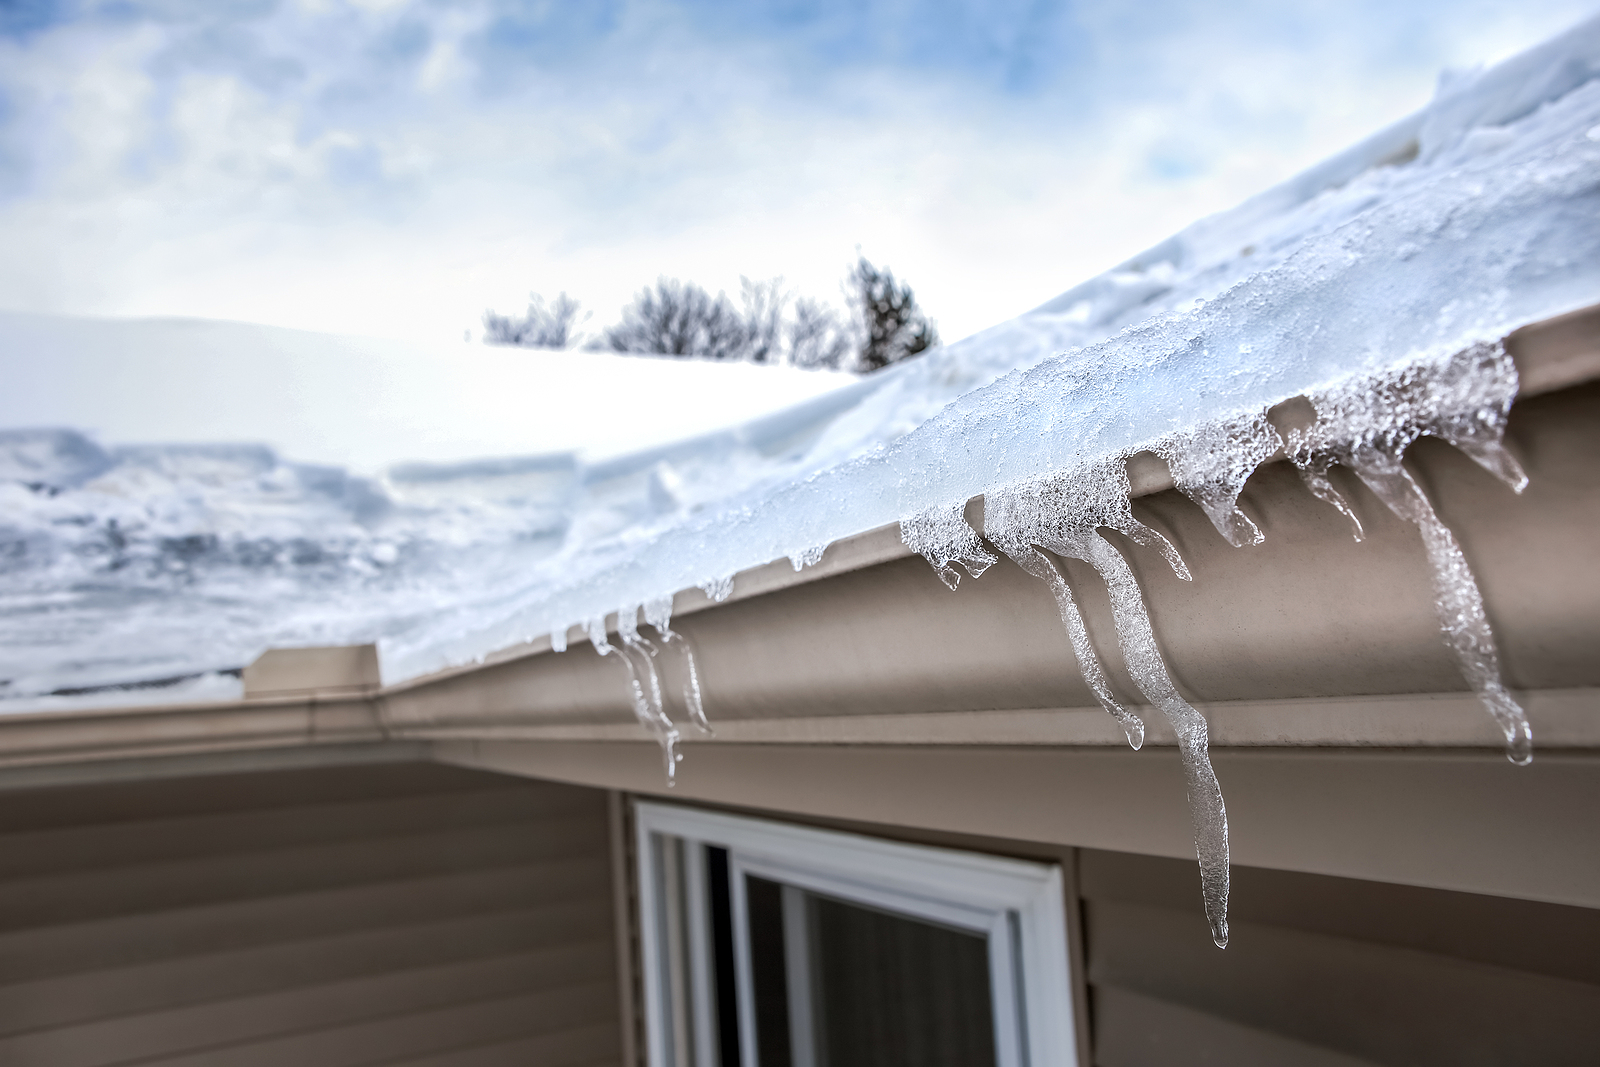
{"x":1039,"y":565}
{"x":1366,"y":423}
{"x":1137,"y":639}
{"x":1457,"y":601}
{"x":1063,"y":514}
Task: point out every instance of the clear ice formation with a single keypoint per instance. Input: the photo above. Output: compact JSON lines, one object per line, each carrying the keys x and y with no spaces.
{"x":558,"y":639}
{"x":941,"y":535}
{"x":658,"y":615}
{"x":1366,"y":423}
{"x":1211,"y":462}
{"x":807,"y":557}
{"x":638,"y":653}
{"x":1063,"y":513}
{"x":644,"y":686}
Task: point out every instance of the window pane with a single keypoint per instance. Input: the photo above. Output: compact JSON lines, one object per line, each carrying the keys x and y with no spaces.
{"x":717,"y":890}
{"x":896,"y":992}
{"x":765,"y":902}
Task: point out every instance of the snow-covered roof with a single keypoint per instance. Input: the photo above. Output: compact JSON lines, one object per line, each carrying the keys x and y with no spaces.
{"x":1473,"y":217}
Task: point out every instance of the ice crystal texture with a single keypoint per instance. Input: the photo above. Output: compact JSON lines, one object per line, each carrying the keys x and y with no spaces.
{"x":644,"y":685}
{"x":1211,"y":462}
{"x":807,"y":557}
{"x":942,"y":537}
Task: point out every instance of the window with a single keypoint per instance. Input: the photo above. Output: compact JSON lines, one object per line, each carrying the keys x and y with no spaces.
{"x":771,"y":945}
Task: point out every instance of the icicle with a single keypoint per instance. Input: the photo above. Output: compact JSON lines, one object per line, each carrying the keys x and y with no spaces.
{"x":1063,"y":513}
{"x":1138,"y":642}
{"x":643,"y":655}
{"x":558,"y":639}
{"x":1366,"y":424}
{"x":1039,"y":565}
{"x":807,"y":557}
{"x":658,"y":614}
{"x":1211,"y":463}
{"x":717,"y":589}
{"x":649,"y":717}
{"x":941,"y":535}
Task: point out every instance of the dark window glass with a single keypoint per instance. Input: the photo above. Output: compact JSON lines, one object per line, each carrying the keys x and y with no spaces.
{"x":727,"y":991}
{"x":765,"y":901}
{"x":886,"y":990}
{"x":896,"y":992}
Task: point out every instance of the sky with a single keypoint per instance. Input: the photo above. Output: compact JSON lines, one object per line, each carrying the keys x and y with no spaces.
{"x":393,"y":169}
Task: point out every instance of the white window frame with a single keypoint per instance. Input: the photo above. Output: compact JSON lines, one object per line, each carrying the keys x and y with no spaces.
{"x":1016,"y":904}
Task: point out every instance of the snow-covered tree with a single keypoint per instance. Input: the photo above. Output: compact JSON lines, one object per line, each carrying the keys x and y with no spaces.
{"x":545,"y":326}
{"x":769,"y":325}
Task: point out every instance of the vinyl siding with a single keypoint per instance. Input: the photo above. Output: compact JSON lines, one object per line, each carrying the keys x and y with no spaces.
{"x":1331,"y":971}
{"x":403,"y":914}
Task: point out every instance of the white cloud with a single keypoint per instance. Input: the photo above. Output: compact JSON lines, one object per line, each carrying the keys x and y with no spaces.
{"x":369,"y":168}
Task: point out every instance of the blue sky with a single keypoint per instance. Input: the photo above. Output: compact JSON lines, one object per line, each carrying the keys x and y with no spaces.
{"x":393,"y":167}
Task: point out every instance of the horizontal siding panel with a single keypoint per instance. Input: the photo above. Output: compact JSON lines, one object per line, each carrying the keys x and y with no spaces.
{"x":131,"y":939}
{"x":84,"y":895}
{"x":187,"y":980}
{"x":1138,"y":1031}
{"x":580,"y":1047}
{"x":123,"y":802}
{"x":417,"y":1033}
{"x":1526,"y":935}
{"x":360,"y":915}
{"x":1379,"y":973}
{"x":556,"y":973}
{"x":43,"y":852}
{"x":1392,"y":1005}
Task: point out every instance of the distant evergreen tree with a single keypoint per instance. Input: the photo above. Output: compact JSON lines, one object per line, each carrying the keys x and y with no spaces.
{"x":895,"y":328}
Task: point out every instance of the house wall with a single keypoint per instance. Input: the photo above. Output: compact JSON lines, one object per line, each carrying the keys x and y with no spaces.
{"x":390,"y":914}
{"x":1323,"y":972}
{"x":1319,"y":972}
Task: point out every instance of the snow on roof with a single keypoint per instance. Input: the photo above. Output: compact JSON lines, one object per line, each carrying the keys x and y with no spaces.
{"x":1475,"y":216}
{"x":1455,"y":226}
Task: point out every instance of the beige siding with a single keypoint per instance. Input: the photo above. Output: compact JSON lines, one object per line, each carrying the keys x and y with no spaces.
{"x":402,"y":914}
{"x":1331,"y":971}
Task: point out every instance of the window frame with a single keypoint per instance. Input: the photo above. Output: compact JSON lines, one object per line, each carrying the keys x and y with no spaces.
{"x":1018,"y":905}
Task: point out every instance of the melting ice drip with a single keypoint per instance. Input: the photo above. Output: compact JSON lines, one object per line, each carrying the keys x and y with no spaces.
{"x":1062,"y":513}
{"x":638,"y":654}
{"x":1364,"y":422}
